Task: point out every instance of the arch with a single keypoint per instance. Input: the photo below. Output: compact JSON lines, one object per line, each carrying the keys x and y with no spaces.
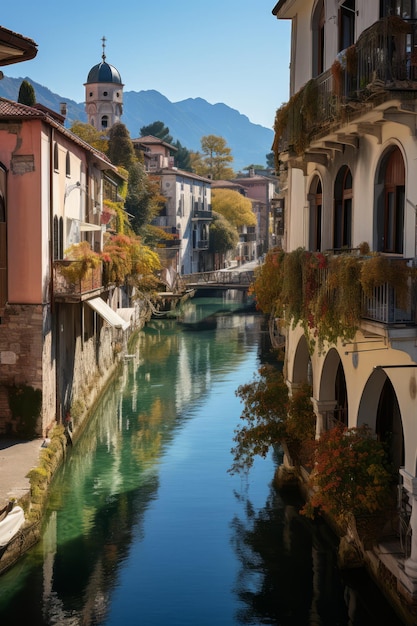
{"x":315,"y":214}
{"x":301,"y":372}
{"x":318,"y":25}
{"x":67,"y":164}
{"x":379,"y":409}
{"x":342,"y":217}
{"x":56,"y":160}
{"x":104,"y":121}
{"x":333,"y":387}
{"x":390,"y":202}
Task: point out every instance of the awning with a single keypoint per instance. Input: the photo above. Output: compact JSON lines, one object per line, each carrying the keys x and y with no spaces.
{"x":107,"y":313}
{"x":86,"y":226}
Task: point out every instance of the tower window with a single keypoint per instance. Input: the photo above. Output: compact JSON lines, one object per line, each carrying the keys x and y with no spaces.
{"x":105,"y":93}
{"x":104,"y":121}
{"x":91,"y":94}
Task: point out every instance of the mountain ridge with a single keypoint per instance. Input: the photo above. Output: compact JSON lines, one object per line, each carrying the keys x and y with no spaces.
{"x":188,"y":120}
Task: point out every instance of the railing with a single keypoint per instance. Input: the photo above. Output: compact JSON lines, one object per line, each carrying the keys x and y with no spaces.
{"x":219,"y":277}
{"x":205,"y":214}
{"x":203,"y":244}
{"x":69,"y":280}
{"x":385,"y":61}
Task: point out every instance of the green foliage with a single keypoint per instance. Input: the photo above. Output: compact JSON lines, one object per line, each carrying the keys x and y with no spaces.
{"x":352,"y":474}
{"x":157,"y":129}
{"x":271,"y":418}
{"x":25,"y":403}
{"x":143,"y":200}
{"x":182,"y":157}
{"x":120,"y":149}
{"x":26,"y":94}
{"x":223,"y":235}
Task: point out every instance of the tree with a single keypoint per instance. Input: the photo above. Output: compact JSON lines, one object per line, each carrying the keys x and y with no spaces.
{"x":97,"y":139}
{"x":143,"y":199}
{"x":270,"y":160}
{"x":233,"y":206}
{"x":26,"y":94}
{"x":121,"y":150}
{"x":157,"y":129}
{"x":223,"y":236}
{"x":182,"y":157}
{"x":215,"y":158}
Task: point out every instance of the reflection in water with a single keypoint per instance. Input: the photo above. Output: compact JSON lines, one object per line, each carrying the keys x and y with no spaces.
{"x":146,"y":526}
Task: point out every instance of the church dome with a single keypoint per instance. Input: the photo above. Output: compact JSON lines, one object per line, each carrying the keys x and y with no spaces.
{"x":104,"y":73}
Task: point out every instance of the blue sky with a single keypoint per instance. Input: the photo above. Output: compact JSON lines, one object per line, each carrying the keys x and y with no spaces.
{"x":231,"y":51}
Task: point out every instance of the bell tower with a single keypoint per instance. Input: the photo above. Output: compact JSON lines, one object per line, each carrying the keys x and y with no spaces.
{"x":103,"y":94}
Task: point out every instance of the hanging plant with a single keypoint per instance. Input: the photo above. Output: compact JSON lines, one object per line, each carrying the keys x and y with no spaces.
{"x":379,"y":270}
{"x":351,"y":56}
{"x":337,"y":75}
{"x":81,"y":260}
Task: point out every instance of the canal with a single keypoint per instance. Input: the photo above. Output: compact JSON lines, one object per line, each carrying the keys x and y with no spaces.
{"x":146,"y":527}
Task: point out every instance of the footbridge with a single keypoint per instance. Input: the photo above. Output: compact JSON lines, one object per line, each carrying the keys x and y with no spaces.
{"x":220,"y":279}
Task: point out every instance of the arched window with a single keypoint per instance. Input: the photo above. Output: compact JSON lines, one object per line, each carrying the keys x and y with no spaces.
{"x":316,"y":198}
{"x":56,"y":162}
{"x":342,"y":222}
{"x":318,"y":39}
{"x":67,"y":164}
{"x":104,"y":121}
{"x":391,"y":203}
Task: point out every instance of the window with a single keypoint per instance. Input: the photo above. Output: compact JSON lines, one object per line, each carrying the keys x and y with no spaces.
{"x":56,"y":162}
{"x":347,"y":14}
{"x":67,"y":164}
{"x":407,"y":9}
{"x":342,"y":223}
{"x":318,"y":39}
{"x":394,"y":194}
{"x":104,"y":121}
{"x":316,"y":198}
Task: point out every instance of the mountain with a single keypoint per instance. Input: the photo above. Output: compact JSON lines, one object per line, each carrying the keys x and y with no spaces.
{"x":187,"y":120}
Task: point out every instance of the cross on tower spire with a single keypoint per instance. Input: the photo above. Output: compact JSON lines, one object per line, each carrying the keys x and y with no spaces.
{"x":103,"y":56}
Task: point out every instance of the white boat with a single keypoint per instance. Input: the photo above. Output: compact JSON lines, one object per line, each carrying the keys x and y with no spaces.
{"x":10,"y":524}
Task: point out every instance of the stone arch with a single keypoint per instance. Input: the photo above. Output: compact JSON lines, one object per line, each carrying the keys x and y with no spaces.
{"x":333,"y":394}
{"x":301,"y":372}
{"x":379,"y":409}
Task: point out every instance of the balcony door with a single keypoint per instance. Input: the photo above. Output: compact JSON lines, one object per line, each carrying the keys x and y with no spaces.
{"x":390,"y":217}
{"x":342,"y":222}
{"x":318,"y":39}
{"x":316,"y":200}
{"x":347,"y":14}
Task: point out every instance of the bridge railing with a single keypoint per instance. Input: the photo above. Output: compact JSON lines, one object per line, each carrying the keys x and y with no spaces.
{"x":218,"y":277}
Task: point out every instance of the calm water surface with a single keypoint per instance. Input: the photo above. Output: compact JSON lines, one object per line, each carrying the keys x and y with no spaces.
{"x":146,"y":527}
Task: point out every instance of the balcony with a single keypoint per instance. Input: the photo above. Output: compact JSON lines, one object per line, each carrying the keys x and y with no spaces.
{"x":70,"y":285}
{"x":380,"y":67}
{"x":203,"y":244}
{"x":202,"y":214}
{"x":173,"y":238}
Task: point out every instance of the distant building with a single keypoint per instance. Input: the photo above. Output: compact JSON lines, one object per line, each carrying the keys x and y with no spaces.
{"x":103,"y":95}
{"x":187,"y":213}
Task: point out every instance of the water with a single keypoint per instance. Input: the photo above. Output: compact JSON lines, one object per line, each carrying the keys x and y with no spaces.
{"x":145,"y":525}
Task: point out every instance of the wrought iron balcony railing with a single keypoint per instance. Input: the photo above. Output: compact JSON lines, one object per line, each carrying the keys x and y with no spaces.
{"x":71,"y":282}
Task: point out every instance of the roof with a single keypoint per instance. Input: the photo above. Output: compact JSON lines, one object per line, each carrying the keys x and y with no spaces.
{"x":150,"y":140}
{"x":176,"y":172}
{"x":10,"y":110}
{"x":15,"y":48}
{"x":104,"y":73}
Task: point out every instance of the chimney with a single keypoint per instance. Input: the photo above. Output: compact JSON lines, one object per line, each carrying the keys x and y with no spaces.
{"x":63,"y":109}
